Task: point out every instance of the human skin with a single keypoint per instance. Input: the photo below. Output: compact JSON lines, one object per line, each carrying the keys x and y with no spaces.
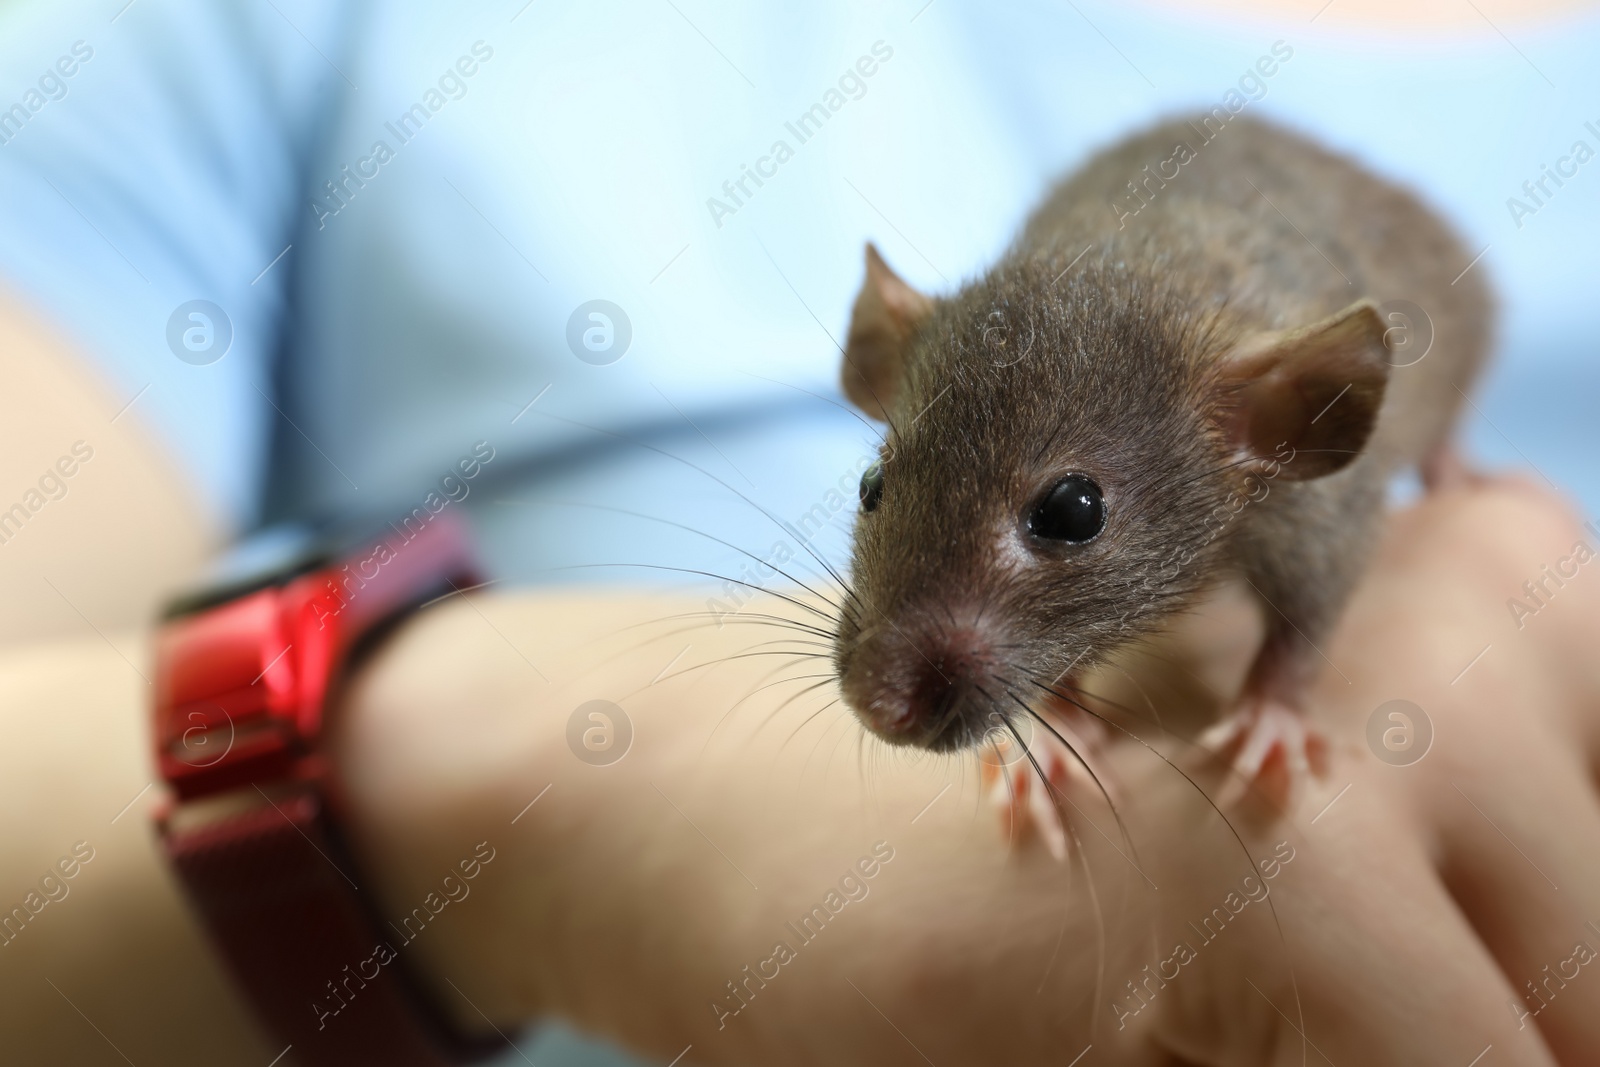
{"x":61,"y":567}
{"x":1407,"y":917}
{"x":623,"y":899}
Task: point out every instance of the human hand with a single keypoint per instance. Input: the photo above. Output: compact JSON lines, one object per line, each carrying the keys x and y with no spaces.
{"x":1397,"y":924}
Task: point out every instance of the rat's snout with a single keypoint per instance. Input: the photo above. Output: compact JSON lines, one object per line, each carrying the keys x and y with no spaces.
{"x":929,"y":686}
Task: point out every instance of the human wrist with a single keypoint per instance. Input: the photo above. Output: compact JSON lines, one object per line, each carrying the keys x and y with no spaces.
{"x":601,"y":895}
{"x":449,"y":736}
{"x":421,"y":813}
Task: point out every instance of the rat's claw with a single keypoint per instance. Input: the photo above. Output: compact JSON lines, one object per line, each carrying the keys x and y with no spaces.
{"x":1273,"y":749}
{"x":1047,"y":818}
{"x":1026,"y":802}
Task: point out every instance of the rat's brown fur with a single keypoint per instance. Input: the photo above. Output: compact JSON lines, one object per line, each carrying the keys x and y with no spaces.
{"x":1115,"y":365}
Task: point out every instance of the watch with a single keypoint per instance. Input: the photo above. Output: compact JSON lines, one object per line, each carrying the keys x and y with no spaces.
{"x":245,"y":668}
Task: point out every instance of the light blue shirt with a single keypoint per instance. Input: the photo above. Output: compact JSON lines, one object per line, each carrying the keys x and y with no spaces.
{"x":398,"y":209}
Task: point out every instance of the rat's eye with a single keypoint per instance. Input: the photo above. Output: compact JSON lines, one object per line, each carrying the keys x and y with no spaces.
{"x":1073,"y":511}
{"x":871,"y":486}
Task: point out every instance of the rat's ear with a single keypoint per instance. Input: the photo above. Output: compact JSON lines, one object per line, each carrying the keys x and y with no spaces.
{"x":1316,"y":390}
{"x":886,"y":316}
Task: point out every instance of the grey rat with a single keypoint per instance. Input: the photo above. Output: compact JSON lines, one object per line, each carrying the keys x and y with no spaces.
{"x":1193,"y":314}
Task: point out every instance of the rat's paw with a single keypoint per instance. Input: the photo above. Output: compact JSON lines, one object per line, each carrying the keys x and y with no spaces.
{"x":1029,"y":805}
{"x":1273,"y":749}
{"x":1026,"y":805}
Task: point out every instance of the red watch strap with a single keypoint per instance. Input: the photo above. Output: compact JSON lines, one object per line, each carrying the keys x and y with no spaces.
{"x":242,"y":688}
{"x":286,"y":911}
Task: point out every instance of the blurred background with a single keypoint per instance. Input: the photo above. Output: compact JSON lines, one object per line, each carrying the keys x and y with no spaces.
{"x":415,"y":232}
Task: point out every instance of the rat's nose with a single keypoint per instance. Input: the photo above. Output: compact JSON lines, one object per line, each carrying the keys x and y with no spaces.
{"x":920,"y":689}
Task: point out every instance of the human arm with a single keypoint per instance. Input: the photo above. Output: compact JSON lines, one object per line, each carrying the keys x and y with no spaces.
{"x":1408,"y":922}
{"x":610,"y":906}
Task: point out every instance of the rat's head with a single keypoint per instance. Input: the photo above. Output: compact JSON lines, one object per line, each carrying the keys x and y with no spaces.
{"x":1060,"y":469}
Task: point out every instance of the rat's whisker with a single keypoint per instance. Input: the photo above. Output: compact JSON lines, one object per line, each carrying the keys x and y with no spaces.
{"x":792,"y":659}
{"x":743,"y":618}
{"x":1141,"y":483}
{"x":878,"y":431}
{"x":1088,"y":875}
{"x":819,"y":679}
{"x":772,"y":623}
{"x":873,"y":393}
{"x":732,"y":656}
{"x":846,"y":732}
{"x":798,"y":655}
{"x":701,"y":470}
{"x":698,"y":533}
{"x":1116,"y":814}
{"x":1011,"y":790}
{"x":1044,"y":780}
{"x":807,"y":720}
{"x":1101,"y":953}
{"x":802,"y":605}
{"x":1238,"y":838}
{"x":680,"y":631}
{"x":1061,"y":933}
{"x":751,"y":618}
{"x":946,"y":712}
{"x":759,"y":687}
